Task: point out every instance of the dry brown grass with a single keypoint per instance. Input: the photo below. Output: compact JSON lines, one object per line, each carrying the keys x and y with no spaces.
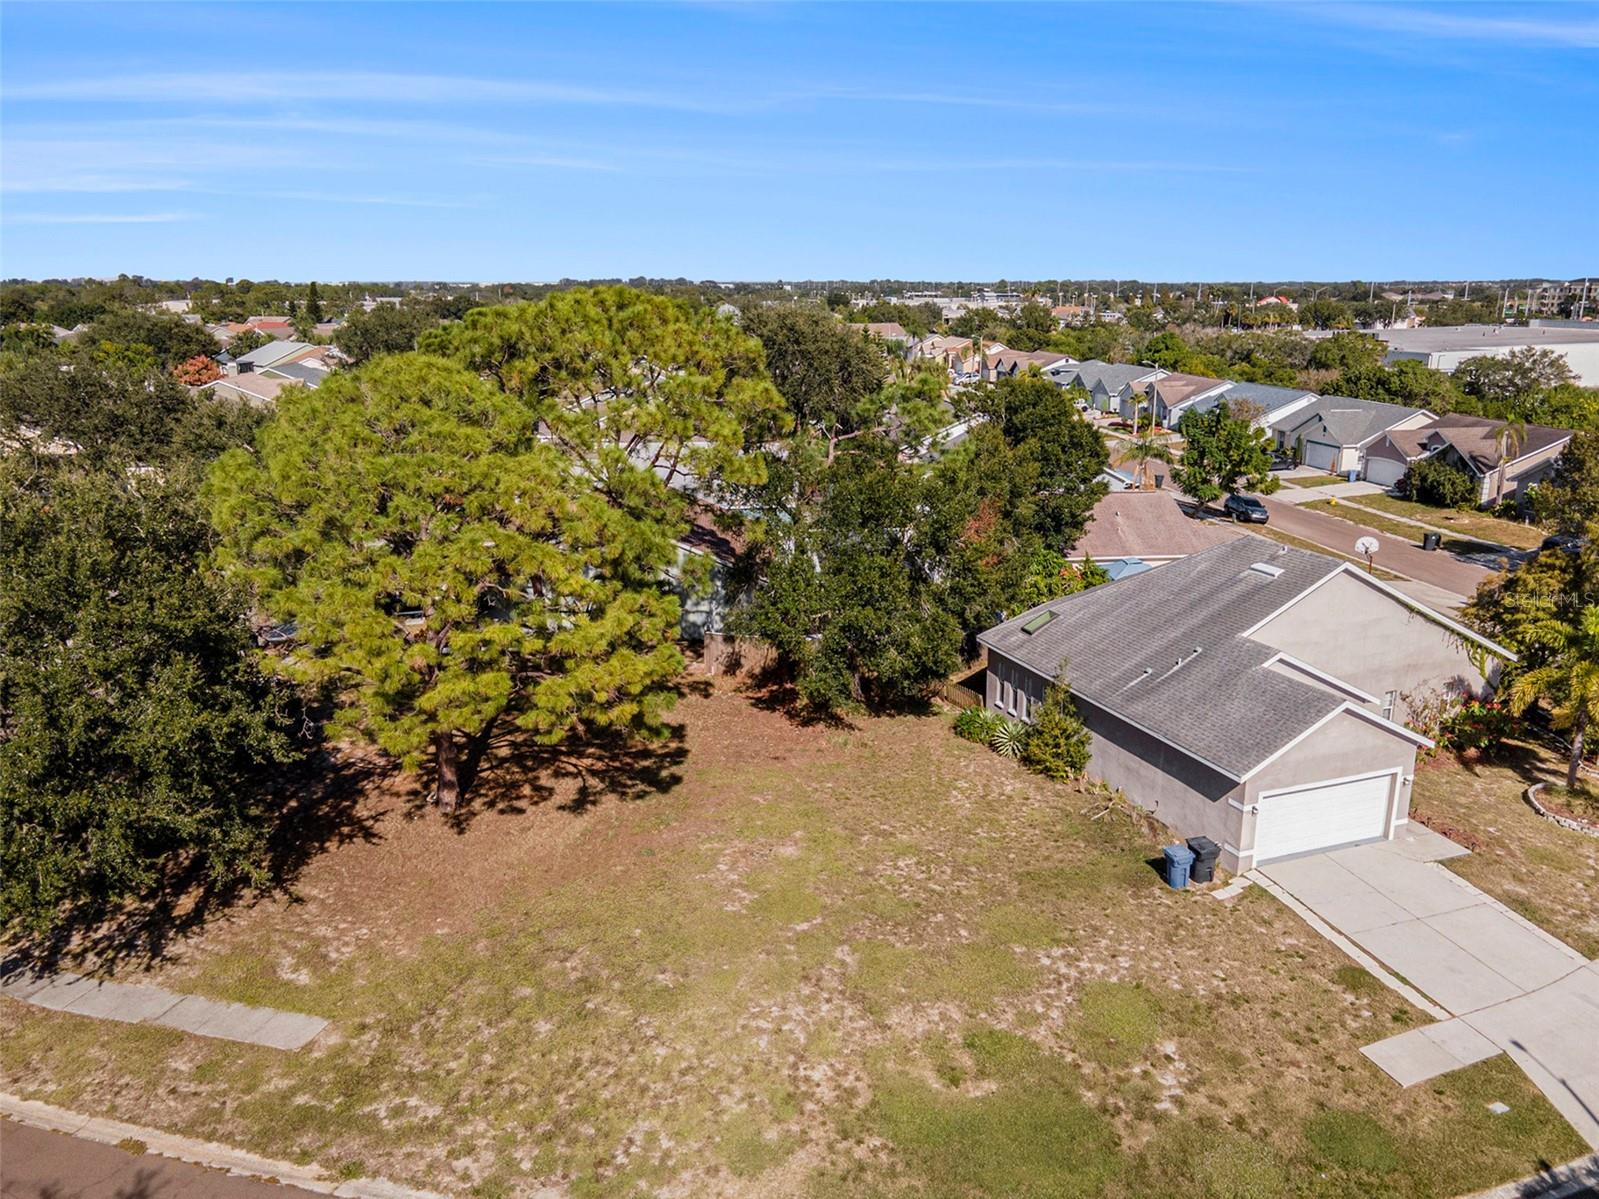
{"x":848,"y":961}
{"x":1547,"y":873}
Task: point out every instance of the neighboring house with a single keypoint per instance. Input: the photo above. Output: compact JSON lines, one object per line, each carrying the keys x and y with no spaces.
{"x":1174,"y":394}
{"x":1472,"y":444}
{"x":706,"y":601}
{"x":1272,"y":404}
{"x":1007,"y":364}
{"x":277,"y":353}
{"x":312,"y":372}
{"x":1333,"y":433}
{"x":889,"y":331}
{"x":1109,"y":383}
{"x":1252,"y":693}
{"x":280,"y":327}
{"x":249,"y":388}
{"x":1071,"y":314}
{"x":1149,"y":526}
{"x":1445,"y":347}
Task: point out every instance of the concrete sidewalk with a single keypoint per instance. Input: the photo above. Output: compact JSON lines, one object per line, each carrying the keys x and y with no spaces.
{"x":1505,"y":984}
{"x":137,"y":1003}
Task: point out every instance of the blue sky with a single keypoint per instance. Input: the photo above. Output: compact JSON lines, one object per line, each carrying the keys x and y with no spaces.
{"x":761,"y":141}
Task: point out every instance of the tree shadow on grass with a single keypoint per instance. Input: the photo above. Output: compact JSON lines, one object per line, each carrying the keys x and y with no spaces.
{"x":516,"y":774}
{"x":322,"y":808}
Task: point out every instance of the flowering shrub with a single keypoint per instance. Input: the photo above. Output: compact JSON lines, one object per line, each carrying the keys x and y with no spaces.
{"x":1476,"y":725}
{"x":197,"y":371}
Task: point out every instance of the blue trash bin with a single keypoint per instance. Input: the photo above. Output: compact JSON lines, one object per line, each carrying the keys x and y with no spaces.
{"x":1179,"y":861}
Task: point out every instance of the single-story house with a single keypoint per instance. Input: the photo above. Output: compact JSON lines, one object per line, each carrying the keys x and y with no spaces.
{"x":1149,"y":526}
{"x":888,"y":331}
{"x":1472,"y":444}
{"x":250,"y":388}
{"x":1252,"y":693}
{"x":1107,"y":383}
{"x":1271,"y":404}
{"x":1007,"y":364}
{"x":706,"y":556}
{"x":1172,"y":395}
{"x":313,"y":372}
{"x":278,"y":353}
{"x":1333,"y":433}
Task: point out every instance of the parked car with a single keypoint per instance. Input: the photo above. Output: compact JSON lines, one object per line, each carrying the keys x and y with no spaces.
{"x":1247,"y":509}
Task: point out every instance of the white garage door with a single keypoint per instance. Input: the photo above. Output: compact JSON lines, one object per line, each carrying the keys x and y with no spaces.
{"x":1384,"y":472}
{"x":1320,"y":456}
{"x":1321,"y":816}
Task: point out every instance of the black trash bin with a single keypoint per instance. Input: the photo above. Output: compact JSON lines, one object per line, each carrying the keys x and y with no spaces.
{"x":1430,"y":541}
{"x":1206,"y":852}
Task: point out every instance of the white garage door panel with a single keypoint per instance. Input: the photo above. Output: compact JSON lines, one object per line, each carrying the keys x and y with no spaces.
{"x":1384,"y":471}
{"x":1320,"y":456}
{"x":1313,"y":818}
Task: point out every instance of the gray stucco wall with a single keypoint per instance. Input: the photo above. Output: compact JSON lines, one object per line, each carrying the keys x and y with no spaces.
{"x":1184,"y":794}
{"x":1356,"y":633}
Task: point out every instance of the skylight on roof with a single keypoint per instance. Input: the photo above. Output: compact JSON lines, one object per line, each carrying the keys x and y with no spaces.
{"x":1266,"y":568}
{"x":1038,"y":622}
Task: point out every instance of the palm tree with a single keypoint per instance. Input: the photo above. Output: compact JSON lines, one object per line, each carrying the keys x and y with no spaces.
{"x":1510,"y":438}
{"x":1569,"y":680}
{"x":1147,"y":449}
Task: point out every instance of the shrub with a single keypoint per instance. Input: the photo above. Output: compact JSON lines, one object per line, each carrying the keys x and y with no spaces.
{"x":1439,"y":484}
{"x":1476,"y":725}
{"x":1009,"y":738}
{"x":1057,"y":745}
{"x":977,"y":724}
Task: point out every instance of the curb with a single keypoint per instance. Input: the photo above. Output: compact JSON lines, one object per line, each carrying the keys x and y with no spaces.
{"x":1575,"y":1178}
{"x":1576,"y":826}
{"x":202,"y":1153}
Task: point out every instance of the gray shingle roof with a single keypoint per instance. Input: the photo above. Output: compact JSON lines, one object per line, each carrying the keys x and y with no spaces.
{"x":274,"y":351}
{"x":1112,"y":374}
{"x":1348,"y":421}
{"x":1164,"y":650}
{"x":1263,"y":395}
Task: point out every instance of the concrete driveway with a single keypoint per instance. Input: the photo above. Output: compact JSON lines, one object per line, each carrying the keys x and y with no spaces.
{"x":1508,"y":984}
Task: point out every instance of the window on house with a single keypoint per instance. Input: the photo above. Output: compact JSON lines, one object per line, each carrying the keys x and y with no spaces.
{"x":1007,"y":698}
{"x":1389,"y":700}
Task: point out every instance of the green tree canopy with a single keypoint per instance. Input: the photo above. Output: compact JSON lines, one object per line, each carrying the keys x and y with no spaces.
{"x":135,"y":730}
{"x":387,"y":329}
{"x":464,"y":544}
{"x":172,"y":339}
{"x":1222,"y":456}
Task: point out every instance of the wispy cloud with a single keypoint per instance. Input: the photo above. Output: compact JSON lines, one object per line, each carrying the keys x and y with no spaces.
{"x":301,"y":87}
{"x":1459,"y":24}
{"x":89,"y":183}
{"x":316,"y":197}
{"x":96,"y":218}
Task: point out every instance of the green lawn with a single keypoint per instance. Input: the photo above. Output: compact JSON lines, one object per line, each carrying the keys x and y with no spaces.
{"x":1312,"y":480}
{"x":1467,"y":523}
{"x":1395,"y":528}
{"x":827,"y":962}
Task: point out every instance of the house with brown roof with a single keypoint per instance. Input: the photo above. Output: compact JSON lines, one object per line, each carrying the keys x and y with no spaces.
{"x":1133,"y":531}
{"x":889,"y":331}
{"x":1172,"y":395}
{"x":1502,"y":465}
{"x":1007,"y":364}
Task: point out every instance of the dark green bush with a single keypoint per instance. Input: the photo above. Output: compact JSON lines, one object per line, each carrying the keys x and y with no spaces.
{"x":1439,"y":484}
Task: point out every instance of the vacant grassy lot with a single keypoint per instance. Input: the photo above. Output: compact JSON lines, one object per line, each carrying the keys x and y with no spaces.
{"x":1468,"y":523}
{"x":1395,"y":528}
{"x":1547,"y":873}
{"x":812,"y":961}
